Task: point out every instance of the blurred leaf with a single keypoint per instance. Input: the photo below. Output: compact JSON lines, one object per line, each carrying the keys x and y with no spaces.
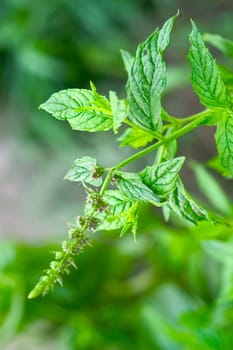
{"x":127,"y":60}
{"x":224,"y":45}
{"x":222,"y":251}
{"x":211,"y":189}
{"x":224,"y":141}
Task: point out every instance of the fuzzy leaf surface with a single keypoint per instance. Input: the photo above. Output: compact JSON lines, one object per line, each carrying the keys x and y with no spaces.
{"x":85,"y":169}
{"x":147,"y":79}
{"x":132,"y":187}
{"x":85,"y":110}
{"x":206,"y":78}
{"x":161,"y":179}
{"x":224,"y":141}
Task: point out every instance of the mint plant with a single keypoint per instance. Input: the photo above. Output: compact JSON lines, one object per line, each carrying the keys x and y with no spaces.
{"x":114,"y":196}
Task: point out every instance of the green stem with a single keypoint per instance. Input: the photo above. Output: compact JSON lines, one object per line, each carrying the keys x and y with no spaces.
{"x":53,"y":274}
{"x":196,"y":119}
{"x":156,"y":134}
{"x":106,"y":181}
{"x":176,"y":134}
{"x":179,"y":121}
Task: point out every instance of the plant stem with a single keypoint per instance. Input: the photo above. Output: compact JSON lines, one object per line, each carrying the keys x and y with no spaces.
{"x":176,"y":134}
{"x":195,"y":122}
{"x":156,"y":134}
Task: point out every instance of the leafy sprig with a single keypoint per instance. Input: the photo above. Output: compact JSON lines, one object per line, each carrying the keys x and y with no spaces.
{"x":149,"y":126}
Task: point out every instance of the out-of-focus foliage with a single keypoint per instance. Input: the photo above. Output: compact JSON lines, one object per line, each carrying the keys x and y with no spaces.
{"x":170,"y":290}
{"x":48,"y":45}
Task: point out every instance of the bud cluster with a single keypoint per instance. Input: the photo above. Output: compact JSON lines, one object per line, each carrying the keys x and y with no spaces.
{"x":96,"y":200}
{"x":97,"y":172}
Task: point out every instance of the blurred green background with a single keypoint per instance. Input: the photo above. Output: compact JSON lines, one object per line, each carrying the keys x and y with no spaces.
{"x":170,"y":290}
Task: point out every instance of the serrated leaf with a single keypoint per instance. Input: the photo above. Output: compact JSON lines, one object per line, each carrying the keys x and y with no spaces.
{"x":164,"y":33}
{"x":132,"y":187}
{"x":222,"y":44}
{"x":224,"y":141}
{"x":182,"y":204}
{"x":135,"y":137}
{"x":120,"y":213}
{"x":206,"y":78}
{"x":127,"y":60}
{"x":147,"y":80}
{"x":161,"y":179}
{"x":119,"y":110}
{"x":84,"y":109}
{"x":211,"y":189}
{"x":86,"y":170}
{"x":132,"y":220}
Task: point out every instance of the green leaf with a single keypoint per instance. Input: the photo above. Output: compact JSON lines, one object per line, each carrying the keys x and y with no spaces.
{"x":85,"y":169}
{"x":206,"y":77}
{"x":224,"y":141}
{"x":164,"y":33}
{"x":215,"y":164}
{"x":220,"y":43}
{"x":182,"y":204}
{"x":211,"y":189}
{"x":131,"y":220}
{"x":227,"y":76}
{"x":119,"y":110}
{"x":135,"y":137}
{"x":127,"y":59}
{"x":161,"y":179}
{"x":222,"y":251}
{"x":120,"y":213}
{"x":85,"y":110}
{"x":132,"y":187}
{"x":147,"y":79}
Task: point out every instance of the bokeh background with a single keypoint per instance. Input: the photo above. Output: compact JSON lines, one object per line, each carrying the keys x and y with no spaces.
{"x":159,"y":293}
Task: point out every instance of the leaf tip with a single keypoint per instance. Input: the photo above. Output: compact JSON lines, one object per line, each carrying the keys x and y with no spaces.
{"x":42,"y":106}
{"x":92,"y":85}
{"x":194,"y":26}
{"x":33,"y":294}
